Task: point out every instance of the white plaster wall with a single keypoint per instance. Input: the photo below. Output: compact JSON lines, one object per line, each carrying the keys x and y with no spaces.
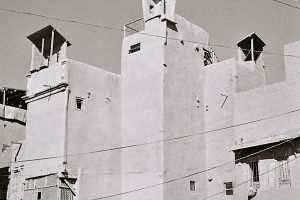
{"x":292,"y":60}
{"x":46,"y":78}
{"x":95,"y":128}
{"x":45,"y":130}
{"x":9,"y":132}
{"x":274,"y":102}
{"x":183,"y":110}
{"x":270,"y":188}
{"x":248,"y":75}
{"x":272,"y":110}
{"x":219,"y":81}
{"x":142,"y":113}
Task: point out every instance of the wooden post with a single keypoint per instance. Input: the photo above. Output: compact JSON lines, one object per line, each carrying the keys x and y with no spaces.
{"x":65,"y":162}
{"x":240,"y":54}
{"x":124,"y":31}
{"x":63,"y":54}
{"x":4,"y":98}
{"x":32,"y":57}
{"x":4,"y":102}
{"x":252,"y":49}
{"x":51,"y":49}
{"x":261,"y":59}
{"x":42,"y":51}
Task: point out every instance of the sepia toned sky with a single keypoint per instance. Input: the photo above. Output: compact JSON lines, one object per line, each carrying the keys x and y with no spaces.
{"x":227,"y":22}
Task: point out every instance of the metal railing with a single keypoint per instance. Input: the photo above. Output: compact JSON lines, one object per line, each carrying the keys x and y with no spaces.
{"x":133,"y":27}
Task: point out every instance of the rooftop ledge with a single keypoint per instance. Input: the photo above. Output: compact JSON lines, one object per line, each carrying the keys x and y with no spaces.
{"x":12,"y":114}
{"x":46,"y":93}
{"x":269,"y":140}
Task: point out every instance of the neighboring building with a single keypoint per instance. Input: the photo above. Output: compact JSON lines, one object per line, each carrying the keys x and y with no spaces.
{"x":73,"y":108}
{"x":175,"y":124}
{"x":12,"y":131}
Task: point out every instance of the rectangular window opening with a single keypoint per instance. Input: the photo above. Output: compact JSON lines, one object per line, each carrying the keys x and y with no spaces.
{"x":254,"y":172}
{"x":39,"y":195}
{"x":229,"y":188}
{"x":207,"y":57}
{"x":192,"y":185}
{"x":79,"y":103}
{"x":284,"y":171}
{"x":135,"y":48}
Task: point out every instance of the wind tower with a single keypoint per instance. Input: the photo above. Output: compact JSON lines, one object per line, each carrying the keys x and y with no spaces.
{"x":251,"y":69}
{"x":47,"y":103}
{"x":251,"y":48}
{"x":48,"y":48}
{"x":159,"y":8}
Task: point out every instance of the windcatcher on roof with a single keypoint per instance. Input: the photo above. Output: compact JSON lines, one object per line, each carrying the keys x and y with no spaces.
{"x":49,"y":46}
{"x":163,"y":9}
{"x":251,"y":46}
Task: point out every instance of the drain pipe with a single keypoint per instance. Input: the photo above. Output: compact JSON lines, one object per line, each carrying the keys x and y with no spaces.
{"x":66,"y":130}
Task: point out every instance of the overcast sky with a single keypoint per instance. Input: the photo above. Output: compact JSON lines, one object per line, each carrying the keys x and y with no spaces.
{"x":227,"y":21}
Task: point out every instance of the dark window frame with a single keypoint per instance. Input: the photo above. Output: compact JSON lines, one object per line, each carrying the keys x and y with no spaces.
{"x":207,"y":57}
{"x":254,"y":167}
{"x":39,"y":195}
{"x":79,"y":103}
{"x":192,"y":186}
{"x":228,"y":188}
{"x":135,"y":48}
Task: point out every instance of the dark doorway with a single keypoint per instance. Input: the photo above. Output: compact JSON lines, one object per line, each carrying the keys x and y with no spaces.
{"x":4,"y":180}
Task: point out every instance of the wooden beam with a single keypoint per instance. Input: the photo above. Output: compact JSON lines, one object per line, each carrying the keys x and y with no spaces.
{"x":42,"y":51}
{"x":252,"y":49}
{"x":51,"y":49}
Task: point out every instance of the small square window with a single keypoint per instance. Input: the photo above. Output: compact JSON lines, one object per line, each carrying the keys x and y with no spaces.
{"x":39,"y":195}
{"x":207,"y":57}
{"x":254,"y":172}
{"x":135,"y":48}
{"x":229,"y":188}
{"x":284,"y":171}
{"x":192,"y":185}
{"x":79,"y":103}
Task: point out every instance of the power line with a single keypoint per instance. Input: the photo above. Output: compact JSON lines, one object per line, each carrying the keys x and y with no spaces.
{"x":193,"y":174}
{"x":160,"y":141}
{"x":242,"y":183}
{"x":189,"y":175}
{"x":284,"y":3}
{"x":59,"y":19}
{"x":140,"y":33}
{"x":100,"y":26}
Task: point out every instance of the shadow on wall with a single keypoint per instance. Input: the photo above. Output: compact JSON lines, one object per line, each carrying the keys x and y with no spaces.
{"x":278,"y":153}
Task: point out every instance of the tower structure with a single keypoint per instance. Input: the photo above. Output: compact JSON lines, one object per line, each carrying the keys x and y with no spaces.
{"x":162,"y":99}
{"x":63,"y":96}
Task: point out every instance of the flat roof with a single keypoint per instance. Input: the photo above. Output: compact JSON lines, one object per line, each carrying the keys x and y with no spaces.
{"x":269,"y":140}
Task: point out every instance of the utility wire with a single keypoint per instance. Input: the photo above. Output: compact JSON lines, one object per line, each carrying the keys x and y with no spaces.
{"x":189,"y":175}
{"x":245,"y":182}
{"x":160,"y":141}
{"x":193,"y":174}
{"x":147,"y":34}
{"x":60,"y":19}
{"x":223,"y":46}
{"x":284,"y":3}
